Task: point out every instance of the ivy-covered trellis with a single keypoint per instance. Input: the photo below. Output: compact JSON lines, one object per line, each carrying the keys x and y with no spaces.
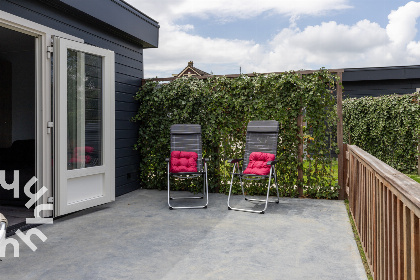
{"x":224,"y":106}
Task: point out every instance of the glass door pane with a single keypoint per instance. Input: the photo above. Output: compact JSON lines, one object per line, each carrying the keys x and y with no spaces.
{"x":84,"y":110}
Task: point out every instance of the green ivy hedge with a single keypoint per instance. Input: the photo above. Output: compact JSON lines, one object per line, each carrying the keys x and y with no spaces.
{"x":224,"y":106}
{"x":387,"y":127}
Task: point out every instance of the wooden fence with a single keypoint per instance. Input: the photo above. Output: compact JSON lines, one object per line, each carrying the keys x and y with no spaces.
{"x":385,"y":205}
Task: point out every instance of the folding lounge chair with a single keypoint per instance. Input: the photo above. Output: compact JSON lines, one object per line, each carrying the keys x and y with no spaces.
{"x":259,"y":159}
{"x":186,"y":160}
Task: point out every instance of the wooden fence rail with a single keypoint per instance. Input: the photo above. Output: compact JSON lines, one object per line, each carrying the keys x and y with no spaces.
{"x":385,"y":205}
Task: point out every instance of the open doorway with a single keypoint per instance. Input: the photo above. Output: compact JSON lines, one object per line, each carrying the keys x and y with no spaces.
{"x":17,"y":119}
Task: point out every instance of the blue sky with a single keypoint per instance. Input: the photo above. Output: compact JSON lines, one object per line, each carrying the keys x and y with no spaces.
{"x":280,"y":35}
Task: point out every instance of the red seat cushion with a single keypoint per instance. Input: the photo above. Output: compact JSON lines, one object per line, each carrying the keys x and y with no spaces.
{"x":183,"y":162}
{"x":77,"y":158}
{"x":258,"y":163}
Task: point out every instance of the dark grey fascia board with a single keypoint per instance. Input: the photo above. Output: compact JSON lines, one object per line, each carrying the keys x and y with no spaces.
{"x":381,"y":73}
{"x":116,"y":16}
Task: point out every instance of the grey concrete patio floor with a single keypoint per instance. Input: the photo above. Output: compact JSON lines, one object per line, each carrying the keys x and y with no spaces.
{"x":138,"y":237}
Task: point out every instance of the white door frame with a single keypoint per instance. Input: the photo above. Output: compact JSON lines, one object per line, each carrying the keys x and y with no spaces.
{"x":43,"y":100}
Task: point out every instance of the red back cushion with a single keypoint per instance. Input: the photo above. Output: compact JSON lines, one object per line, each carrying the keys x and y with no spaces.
{"x":258,"y":163}
{"x":183,"y":162}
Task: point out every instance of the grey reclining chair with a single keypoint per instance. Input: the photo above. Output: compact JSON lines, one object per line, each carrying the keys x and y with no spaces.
{"x":259,"y":160}
{"x":187,"y":160}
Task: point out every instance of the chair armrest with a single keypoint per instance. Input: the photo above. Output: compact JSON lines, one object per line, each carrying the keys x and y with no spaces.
{"x":206,"y":159}
{"x":273,"y":162}
{"x":167,"y":159}
{"x":235,"y":160}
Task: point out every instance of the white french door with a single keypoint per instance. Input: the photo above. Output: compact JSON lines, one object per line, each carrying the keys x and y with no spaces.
{"x":84,"y":82}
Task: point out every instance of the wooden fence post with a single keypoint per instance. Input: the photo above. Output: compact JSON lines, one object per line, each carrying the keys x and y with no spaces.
{"x":300,"y":152}
{"x":345,"y":169}
{"x":341,"y":191}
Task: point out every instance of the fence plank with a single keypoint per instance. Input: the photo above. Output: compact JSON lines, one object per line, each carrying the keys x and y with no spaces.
{"x":375,"y":227}
{"x":394,"y":237}
{"x":415,"y":249}
{"x":381,"y":233}
{"x":389,"y":233}
{"x":407,"y":243}
{"x":400,"y":239}
{"x":369,"y":217}
{"x":385,"y":233}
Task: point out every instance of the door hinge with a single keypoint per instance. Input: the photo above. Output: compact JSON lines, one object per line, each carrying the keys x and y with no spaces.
{"x":50,"y":125}
{"x":50,"y":50}
{"x":50,"y":199}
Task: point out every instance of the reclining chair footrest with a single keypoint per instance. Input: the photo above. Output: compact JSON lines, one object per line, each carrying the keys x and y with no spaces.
{"x":188,"y":207}
{"x":246,"y":210}
{"x":187,"y":197}
{"x":261,"y":200}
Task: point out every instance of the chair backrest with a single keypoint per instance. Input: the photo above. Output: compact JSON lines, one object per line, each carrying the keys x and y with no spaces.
{"x":261,"y":136}
{"x":187,"y":138}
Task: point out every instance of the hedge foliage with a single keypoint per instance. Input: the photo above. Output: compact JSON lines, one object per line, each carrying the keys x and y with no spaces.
{"x":387,"y":127}
{"x":224,"y":106}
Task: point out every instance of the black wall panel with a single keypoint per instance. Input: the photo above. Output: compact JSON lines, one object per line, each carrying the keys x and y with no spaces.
{"x":128,"y":68}
{"x":127,"y":106}
{"x":377,"y":81}
{"x":125,"y":88}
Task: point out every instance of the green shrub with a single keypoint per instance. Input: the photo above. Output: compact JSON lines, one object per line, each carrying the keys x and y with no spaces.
{"x":224,"y":106}
{"x":387,"y":127}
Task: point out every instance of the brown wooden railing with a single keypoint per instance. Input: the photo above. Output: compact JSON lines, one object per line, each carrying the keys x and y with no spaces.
{"x":385,"y":205}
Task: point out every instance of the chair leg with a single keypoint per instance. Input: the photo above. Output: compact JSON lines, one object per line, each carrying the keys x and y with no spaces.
{"x":268,"y":190}
{"x":272,"y":170}
{"x":205,"y":192}
{"x":277,"y":188}
{"x":169,"y":190}
{"x":230,"y":188}
{"x":205,"y":186}
{"x":242,"y":187}
{"x":271,"y":201}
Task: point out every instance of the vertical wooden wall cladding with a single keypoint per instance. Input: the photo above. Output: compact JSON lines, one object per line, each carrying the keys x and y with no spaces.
{"x":385,"y":205}
{"x":84,"y":20}
{"x":5,"y":104}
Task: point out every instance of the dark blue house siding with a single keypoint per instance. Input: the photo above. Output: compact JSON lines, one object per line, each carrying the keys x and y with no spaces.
{"x":376,"y":81}
{"x":128,"y":63}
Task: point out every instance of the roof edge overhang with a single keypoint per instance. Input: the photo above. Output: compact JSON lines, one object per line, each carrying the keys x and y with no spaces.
{"x":381,"y":73}
{"x":114,"y":16}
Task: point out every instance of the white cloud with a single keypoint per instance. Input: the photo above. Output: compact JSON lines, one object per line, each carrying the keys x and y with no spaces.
{"x":170,"y":10}
{"x":329,"y":44}
{"x":179,"y":47}
{"x":402,"y":23}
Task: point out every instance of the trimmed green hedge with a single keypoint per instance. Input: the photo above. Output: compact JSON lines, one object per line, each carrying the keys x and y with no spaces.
{"x":387,"y":127}
{"x":224,"y":106}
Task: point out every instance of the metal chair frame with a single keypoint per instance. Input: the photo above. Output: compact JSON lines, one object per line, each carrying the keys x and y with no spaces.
{"x":3,"y":226}
{"x":202,"y":164}
{"x":251,"y":177}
